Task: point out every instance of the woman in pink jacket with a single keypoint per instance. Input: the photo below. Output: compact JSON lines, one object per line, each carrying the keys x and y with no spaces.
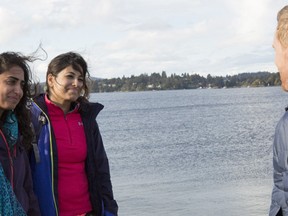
{"x":71,"y":172}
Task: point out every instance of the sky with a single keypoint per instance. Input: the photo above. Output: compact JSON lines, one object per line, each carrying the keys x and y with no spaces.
{"x":132,"y":37}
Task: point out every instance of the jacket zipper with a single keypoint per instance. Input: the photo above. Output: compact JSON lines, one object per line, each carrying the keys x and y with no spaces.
{"x":51,"y":156}
{"x":67,"y":126}
{"x":10,"y":160}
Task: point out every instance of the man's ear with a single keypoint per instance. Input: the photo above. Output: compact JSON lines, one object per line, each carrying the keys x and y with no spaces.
{"x":285,"y":53}
{"x":284,"y":69}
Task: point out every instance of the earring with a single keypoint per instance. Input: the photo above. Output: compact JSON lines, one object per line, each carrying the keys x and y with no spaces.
{"x":45,"y":88}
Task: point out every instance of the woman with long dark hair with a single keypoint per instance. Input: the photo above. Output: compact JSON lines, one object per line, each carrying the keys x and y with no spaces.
{"x":15,"y":135}
{"x":71,"y":173}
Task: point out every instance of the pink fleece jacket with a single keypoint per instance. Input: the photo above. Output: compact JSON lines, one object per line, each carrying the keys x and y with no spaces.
{"x":72,"y":151}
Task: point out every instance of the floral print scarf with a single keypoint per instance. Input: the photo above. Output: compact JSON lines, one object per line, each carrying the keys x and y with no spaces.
{"x":10,"y":129}
{"x":9,"y":204}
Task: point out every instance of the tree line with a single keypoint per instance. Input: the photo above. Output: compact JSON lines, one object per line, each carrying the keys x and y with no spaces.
{"x":157,"y":81}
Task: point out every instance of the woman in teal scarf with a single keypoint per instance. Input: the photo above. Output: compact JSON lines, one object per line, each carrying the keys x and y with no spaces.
{"x":16,"y":187}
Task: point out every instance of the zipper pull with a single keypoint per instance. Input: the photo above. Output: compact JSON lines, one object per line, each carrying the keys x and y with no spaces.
{"x":12,"y":172}
{"x":11,"y":162}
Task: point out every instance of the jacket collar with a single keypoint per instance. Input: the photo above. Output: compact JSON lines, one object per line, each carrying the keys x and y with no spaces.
{"x":85,"y":108}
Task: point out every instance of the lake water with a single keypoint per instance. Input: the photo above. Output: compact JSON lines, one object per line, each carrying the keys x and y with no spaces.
{"x":191,"y":152}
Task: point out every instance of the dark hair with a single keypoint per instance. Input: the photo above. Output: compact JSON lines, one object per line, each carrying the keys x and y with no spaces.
{"x":64,"y":60}
{"x":7,"y":61}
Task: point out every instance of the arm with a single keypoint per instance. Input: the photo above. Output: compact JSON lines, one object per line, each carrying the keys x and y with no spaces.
{"x":280,"y":163}
{"x":28,"y":185}
{"x":103,"y":174}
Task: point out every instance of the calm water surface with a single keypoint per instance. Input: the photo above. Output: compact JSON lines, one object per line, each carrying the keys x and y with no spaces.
{"x":191,"y":152}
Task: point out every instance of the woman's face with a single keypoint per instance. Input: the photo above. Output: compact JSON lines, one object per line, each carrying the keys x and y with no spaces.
{"x":11,"y":88}
{"x":66,"y":86}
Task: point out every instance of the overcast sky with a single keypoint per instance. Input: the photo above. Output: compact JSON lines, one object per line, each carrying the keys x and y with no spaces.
{"x":132,"y":37}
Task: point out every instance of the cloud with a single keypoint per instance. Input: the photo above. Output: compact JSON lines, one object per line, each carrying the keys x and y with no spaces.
{"x":133,"y":37}
{"x":252,"y":20}
{"x":11,"y":25}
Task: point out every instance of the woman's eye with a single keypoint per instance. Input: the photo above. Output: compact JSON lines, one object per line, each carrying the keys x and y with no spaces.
{"x":70,"y":76}
{"x":10,"y":82}
{"x":22,"y":84}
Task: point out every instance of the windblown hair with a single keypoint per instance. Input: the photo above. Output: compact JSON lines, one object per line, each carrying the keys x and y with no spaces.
{"x":7,"y":61}
{"x":282,"y":27}
{"x":64,"y":60}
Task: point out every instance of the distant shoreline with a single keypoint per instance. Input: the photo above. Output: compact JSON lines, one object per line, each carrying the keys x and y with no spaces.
{"x":157,"y":81}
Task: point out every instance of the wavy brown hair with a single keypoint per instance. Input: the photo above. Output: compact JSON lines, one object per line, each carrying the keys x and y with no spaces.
{"x":64,"y":60}
{"x":7,"y":61}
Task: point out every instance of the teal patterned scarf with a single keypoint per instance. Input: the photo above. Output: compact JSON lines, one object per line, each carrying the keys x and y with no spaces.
{"x":9,"y":204}
{"x":10,"y":129}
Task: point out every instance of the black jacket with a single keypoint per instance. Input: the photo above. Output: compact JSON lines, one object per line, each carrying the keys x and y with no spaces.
{"x":16,"y":167}
{"x":97,"y":166}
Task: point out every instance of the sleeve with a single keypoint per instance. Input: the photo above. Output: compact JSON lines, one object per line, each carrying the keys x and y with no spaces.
{"x":103,"y":173}
{"x":28,"y":185}
{"x":280,"y":166}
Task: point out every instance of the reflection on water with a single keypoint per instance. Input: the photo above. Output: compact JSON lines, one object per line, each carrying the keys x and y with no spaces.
{"x":191,"y":152}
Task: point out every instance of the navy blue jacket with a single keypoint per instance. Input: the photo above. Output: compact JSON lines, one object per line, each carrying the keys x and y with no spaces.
{"x":279,"y":198}
{"x":97,"y":167}
{"x":17,"y":170}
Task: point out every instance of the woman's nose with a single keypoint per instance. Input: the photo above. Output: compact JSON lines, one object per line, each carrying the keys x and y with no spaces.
{"x":18,"y":89}
{"x":76,"y":82}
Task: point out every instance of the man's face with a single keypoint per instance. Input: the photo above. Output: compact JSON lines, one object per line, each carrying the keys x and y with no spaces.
{"x":281,"y":61}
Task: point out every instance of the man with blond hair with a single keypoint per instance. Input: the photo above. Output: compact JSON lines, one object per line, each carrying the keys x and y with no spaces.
{"x":279,"y":202}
